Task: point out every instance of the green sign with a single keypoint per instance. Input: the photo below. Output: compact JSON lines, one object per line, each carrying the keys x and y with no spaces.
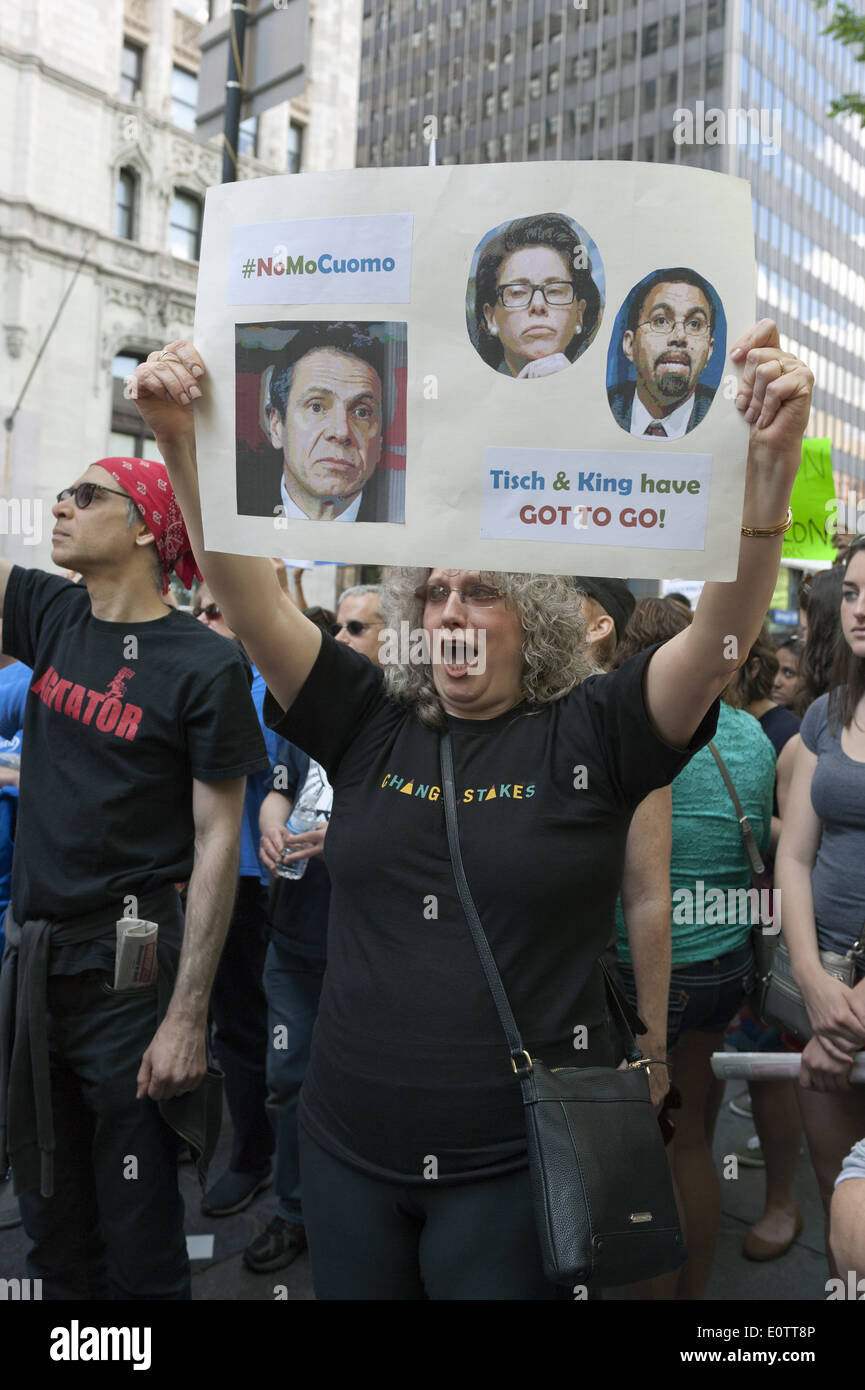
{"x":813,"y":488}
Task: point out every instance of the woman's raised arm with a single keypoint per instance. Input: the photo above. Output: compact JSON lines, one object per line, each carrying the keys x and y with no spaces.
{"x":280,"y":640}
{"x":691,"y":670}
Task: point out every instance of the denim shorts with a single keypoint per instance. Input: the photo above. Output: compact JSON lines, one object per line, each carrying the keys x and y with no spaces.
{"x":703,"y":996}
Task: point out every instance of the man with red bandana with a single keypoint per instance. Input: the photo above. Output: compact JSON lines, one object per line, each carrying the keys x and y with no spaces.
{"x":139,"y":731}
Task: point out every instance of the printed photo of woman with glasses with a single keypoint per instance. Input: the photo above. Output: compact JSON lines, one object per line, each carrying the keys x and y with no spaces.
{"x":666,"y":354}
{"x":535,"y":295}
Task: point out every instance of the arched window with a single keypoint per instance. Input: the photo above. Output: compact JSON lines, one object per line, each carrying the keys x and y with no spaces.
{"x":129,"y":435}
{"x":124,"y":204}
{"x":185,"y":229}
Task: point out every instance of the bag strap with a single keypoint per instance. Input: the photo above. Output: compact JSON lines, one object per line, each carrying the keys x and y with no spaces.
{"x":752,"y":853}
{"x":520,"y":1059}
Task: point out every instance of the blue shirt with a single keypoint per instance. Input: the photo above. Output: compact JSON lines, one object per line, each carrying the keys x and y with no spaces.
{"x":257,"y":786}
{"x":14,"y":684}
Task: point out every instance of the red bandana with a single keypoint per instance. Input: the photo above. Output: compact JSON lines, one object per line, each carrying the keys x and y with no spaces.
{"x":147,"y":483}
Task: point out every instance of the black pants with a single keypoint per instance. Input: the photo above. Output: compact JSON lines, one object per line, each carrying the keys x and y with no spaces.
{"x":114,"y":1227}
{"x":377,"y":1240}
{"x":239,"y":1010}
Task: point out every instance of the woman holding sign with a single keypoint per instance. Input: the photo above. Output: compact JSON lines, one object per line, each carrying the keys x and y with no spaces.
{"x":413,"y":1141}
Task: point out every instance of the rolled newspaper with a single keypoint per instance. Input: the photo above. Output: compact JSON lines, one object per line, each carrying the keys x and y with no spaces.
{"x":770,"y":1066}
{"x":135,"y":960}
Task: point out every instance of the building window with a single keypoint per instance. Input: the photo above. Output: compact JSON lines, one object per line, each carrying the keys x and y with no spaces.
{"x":694,"y":21}
{"x":650,"y":39}
{"x":650,"y":94}
{"x":715,"y":14}
{"x":553,"y":80}
{"x":247,"y":136}
{"x":185,"y":227}
{"x":583,"y":67}
{"x":489,"y":104}
{"x":671,"y":30}
{"x":534,"y":134}
{"x":129,"y":436}
{"x":534,"y":88}
{"x":294,"y":157}
{"x":124,"y":204}
{"x":130,"y":71}
{"x":626,"y":103}
{"x":629,"y":46}
{"x":184,"y":95}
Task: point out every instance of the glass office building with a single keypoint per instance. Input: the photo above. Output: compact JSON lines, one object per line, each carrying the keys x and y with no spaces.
{"x":604,"y":79}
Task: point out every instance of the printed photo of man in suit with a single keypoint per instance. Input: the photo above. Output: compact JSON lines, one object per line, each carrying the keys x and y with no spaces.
{"x":324,"y":407}
{"x":669,"y":339}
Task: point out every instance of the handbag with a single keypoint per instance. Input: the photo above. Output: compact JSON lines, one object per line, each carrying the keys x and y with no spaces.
{"x":783,"y":1002}
{"x":763,"y":941}
{"x":603,"y":1198}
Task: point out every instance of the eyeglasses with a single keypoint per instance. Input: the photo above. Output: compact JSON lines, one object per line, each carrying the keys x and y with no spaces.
{"x":478,"y":595}
{"x":695,"y":325}
{"x":83,"y":494}
{"x":518,"y":295}
{"x":354,"y":627}
{"x":210,"y":611}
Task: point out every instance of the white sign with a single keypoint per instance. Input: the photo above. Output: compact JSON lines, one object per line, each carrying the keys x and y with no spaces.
{"x":607,"y":497}
{"x":382,"y":366}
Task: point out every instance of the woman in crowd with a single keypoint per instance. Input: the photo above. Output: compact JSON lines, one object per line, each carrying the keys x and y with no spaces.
{"x":536,"y":304}
{"x":413,"y":1140}
{"x":787,"y":683}
{"x":823,"y":638}
{"x":819,"y":873}
{"x":775,"y":1106}
{"x":712,"y":957}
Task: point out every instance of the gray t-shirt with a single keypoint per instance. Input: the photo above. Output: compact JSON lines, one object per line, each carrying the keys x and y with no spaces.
{"x":838,"y":798}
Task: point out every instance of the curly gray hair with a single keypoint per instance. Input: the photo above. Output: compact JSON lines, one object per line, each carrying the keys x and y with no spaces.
{"x":555,"y":655}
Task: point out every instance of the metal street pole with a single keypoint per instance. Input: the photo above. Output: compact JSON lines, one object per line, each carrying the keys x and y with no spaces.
{"x":233,"y":90}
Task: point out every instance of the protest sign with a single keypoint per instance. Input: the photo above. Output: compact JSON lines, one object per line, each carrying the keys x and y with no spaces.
{"x":519,"y":367}
{"x":813,"y":493}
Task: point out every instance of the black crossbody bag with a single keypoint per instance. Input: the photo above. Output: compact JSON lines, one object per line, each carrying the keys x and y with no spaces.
{"x":601,"y":1189}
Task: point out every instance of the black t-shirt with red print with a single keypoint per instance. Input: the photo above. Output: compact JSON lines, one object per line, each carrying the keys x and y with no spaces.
{"x":119,"y":720}
{"x":409,"y":1061}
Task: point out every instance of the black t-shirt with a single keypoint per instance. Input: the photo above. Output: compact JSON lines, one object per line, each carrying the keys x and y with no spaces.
{"x":299,"y":907}
{"x":409,"y":1059}
{"x":119,"y":720}
{"x":779,"y":725}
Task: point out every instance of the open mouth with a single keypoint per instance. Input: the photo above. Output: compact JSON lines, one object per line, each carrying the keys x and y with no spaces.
{"x":458,"y":656}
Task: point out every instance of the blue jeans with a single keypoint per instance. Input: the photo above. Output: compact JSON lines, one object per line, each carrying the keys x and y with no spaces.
{"x":114,"y":1226}
{"x":703,"y":996}
{"x":293,"y":988}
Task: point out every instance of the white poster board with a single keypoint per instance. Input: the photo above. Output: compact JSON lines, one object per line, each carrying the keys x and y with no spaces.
{"x":468,"y":367}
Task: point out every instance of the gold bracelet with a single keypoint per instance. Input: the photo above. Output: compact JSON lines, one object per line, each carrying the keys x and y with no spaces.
{"x":763,"y":532}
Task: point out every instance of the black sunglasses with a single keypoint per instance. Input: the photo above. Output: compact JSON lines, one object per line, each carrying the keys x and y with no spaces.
{"x":211,"y":611}
{"x":354,"y":627}
{"x":83,"y":494}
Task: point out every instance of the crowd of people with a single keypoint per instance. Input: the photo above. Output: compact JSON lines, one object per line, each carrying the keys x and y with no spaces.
{"x":327,"y":972}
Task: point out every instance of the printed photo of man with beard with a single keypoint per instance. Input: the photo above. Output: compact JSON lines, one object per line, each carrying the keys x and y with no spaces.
{"x":672,"y":321}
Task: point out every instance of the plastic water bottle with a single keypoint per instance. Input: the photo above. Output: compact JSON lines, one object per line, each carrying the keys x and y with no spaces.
{"x":302,"y":819}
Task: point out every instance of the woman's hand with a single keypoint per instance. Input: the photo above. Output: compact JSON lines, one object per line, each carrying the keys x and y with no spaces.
{"x":775,"y":392}
{"x":823,"y":1068}
{"x":832,"y":1015}
{"x":165,"y":388}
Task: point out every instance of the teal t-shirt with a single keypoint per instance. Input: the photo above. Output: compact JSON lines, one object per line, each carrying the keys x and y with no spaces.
{"x":707,"y":845}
